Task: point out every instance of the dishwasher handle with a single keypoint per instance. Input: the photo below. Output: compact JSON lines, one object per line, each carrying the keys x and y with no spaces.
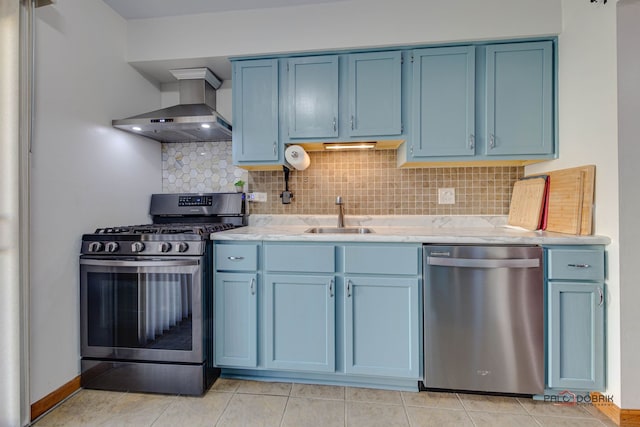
{"x":484,"y":263}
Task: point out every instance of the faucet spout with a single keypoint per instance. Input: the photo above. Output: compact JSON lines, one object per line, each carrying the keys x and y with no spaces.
{"x":340,"y":205}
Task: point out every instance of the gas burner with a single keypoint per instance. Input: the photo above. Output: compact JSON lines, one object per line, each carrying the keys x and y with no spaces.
{"x":182,"y":224}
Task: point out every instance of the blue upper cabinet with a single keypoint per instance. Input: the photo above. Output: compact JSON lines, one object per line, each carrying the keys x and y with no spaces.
{"x":443,"y":107}
{"x":374,"y":94}
{"x":255,"y":112}
{"x":347,"y":97}
{"x":519,"y":99}
{"x":313,"y":97}
{"x":493,"y":103}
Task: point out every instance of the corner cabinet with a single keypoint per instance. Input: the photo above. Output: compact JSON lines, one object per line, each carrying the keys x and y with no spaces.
{"x":256,"y":139}
{"x":492,"y":103}
{"x":575,"y":318}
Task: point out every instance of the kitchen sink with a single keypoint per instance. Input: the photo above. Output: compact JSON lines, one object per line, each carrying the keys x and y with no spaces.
{"x":337,"y":230}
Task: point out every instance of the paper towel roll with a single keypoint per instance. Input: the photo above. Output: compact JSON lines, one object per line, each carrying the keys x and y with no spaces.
{"x":297,"y":157}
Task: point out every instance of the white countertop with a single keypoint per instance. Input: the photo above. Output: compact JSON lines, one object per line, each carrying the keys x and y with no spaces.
{"x":406,"y":229}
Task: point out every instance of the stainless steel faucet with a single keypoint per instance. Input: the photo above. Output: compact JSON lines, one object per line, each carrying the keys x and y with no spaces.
{"x":340,"y":204}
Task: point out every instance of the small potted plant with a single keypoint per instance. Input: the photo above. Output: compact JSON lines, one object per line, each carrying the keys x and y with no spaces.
{"x":239,"y":184}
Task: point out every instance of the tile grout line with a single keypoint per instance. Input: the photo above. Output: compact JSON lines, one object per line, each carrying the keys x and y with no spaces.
{"x":404,"y":406}
{"x":233,"y":393}
{"x":286,"y":405}
{"x":175,"y":399}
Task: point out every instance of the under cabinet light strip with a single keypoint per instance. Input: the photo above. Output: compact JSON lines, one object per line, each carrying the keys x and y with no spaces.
{"x":357,"y":146}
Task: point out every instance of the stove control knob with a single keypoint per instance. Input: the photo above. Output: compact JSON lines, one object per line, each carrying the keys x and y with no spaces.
{"x":165,"y":247}
{"x":112,"y":247}
{"x":182,"y":246}
{"x":137,"y":247}
{"x":96,"y":247}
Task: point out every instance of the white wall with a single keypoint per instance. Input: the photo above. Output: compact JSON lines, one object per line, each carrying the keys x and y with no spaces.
{"x":629,"y":176}
{"x":345,"y":24}
{"x":85,"y":173}
{"x":588,"y":135}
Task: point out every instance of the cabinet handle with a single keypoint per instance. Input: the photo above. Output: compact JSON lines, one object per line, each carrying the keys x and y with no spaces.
{"x":252,"y":286}
{"x":235,"y":258}
{"x":601,"y":296}
{"x":492,"y":141}
{"x":411,"y":150}
{"x":472,"y":142}
{"x":351,"y":122}
{"x":331,"y":288}
{"x":334,"y":124}
{"x":348,"y":288}
{"x":579,"y":265}
{"x":274,"y":148}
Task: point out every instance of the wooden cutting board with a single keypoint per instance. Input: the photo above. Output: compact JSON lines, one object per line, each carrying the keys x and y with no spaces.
{"x":526,"y":205}
{"x":571,"y":194}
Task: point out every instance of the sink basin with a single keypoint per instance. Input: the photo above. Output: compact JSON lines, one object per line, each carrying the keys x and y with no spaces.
{"x":336,"y":230}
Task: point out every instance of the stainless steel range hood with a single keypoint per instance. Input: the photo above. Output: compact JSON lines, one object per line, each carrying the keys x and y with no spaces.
{"x":194,"y":119}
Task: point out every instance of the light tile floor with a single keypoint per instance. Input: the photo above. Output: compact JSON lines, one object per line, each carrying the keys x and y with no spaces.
{"x":232,"y":403}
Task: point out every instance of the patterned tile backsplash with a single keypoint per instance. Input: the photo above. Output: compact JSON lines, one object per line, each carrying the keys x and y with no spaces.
{"x":199,"y":167}
{"x":369,"y":182}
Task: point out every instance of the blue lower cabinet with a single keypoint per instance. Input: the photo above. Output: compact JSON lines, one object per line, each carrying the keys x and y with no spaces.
{"x":575,"y":336}
{"x":300,"y":322}
{"x":236,"y":322}
{"x":381,"y":326}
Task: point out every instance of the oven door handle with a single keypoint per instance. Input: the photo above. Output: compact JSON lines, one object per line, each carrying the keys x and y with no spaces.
{"x":145,"y":263}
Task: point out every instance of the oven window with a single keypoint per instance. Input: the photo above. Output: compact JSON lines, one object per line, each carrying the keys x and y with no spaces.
{"x":140,"y":310}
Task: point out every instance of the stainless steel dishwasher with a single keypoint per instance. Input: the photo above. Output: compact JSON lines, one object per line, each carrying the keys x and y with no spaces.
{"x":483,"y":318}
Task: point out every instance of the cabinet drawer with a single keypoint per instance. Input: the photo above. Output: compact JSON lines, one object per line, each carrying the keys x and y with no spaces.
{"x":300,"y":258}
{"x":382,"y":260}
{"x":570,"y":264}
{"x":236,"y":257}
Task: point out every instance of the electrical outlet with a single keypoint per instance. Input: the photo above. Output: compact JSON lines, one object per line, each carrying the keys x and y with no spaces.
{"x":257,"y":197}
{"x":446,"y":196}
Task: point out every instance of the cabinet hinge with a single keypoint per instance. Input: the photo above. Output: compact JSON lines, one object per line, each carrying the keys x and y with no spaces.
{"x":412,"y":58}
{"x":401,"y":59}
{"x":401,"y":127}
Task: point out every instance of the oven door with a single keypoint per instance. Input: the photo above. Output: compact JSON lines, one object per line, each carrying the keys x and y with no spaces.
{"x":145,"y":310}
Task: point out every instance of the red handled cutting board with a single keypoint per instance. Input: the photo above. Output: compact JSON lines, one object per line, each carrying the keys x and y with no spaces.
{"x":527,"y":202}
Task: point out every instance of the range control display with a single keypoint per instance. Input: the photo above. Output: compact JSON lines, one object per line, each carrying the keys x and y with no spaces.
{"x":195,"y":201}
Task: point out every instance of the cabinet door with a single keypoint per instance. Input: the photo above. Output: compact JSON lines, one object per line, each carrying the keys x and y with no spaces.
{"x":300,"y":322}
{"x":444,"y":102}
{"x":576,"y":335}
{"x":382,"y":326}
{"x":235,"y":318}
{"x":375,"y":90}
{"x":255,"y":111}
{"x":519,"y":103}
{"x":313,"y":97}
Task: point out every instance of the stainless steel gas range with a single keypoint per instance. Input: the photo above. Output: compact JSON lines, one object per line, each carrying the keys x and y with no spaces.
{"x":146,"y":296}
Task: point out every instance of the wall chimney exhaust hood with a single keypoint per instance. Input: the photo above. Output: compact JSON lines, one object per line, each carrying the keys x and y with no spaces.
{"x":194,"y":119}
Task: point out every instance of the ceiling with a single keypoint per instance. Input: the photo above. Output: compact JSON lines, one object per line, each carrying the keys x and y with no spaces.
{"x":158,"y":71}
{"x":142,"y":9}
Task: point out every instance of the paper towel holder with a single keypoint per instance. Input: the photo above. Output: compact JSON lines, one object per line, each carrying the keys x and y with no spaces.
{"x":297,"y":157}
